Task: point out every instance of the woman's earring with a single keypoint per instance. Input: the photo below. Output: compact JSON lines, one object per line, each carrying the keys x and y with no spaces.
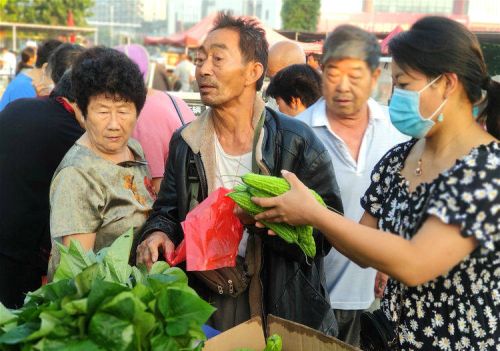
{"x":440,"y":118}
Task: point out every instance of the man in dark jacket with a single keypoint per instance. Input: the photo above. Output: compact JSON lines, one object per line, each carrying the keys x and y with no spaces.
{"x":35,"y":134}
{"x":237,"y":134}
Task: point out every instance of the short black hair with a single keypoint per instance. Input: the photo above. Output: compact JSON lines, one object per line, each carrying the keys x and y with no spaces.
{"x":64,"y":87}
{"x":296,"y":81}
{"x":253,"y":44}
{"x":348,"y":41}
{"x":62,"y":59}
{"x":102,"y":70}
{"x":45,"y":50}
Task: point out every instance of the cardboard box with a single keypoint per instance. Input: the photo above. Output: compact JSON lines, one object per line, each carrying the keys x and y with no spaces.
{"x":295,"y":336}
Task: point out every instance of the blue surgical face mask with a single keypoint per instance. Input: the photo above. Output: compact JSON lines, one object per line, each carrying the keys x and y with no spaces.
{"x":404,"y":109}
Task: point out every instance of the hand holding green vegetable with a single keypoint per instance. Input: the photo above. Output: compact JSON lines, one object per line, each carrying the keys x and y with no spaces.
{"x":298,"y":206}
{"x":261,"y":186}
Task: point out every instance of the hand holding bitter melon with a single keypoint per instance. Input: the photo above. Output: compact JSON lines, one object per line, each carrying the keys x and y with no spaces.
{"x":256,"y":185}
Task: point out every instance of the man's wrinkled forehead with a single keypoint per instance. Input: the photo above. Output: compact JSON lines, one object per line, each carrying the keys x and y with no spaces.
{"x":206,"y":47}
{"x":352,"y":49}
{"x":219,"y":39}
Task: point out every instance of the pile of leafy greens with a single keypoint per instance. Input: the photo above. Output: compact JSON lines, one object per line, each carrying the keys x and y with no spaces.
{"x":99,"y":302}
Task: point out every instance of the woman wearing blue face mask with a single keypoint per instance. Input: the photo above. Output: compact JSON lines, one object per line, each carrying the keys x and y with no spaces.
{"x":432,"y":212}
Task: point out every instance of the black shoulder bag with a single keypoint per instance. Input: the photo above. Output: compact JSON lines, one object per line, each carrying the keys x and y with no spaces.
{"x":377,"y":332}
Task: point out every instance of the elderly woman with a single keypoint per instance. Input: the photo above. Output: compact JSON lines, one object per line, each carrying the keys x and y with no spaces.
{"x":431,"y":218}
{"x":100,"y":188}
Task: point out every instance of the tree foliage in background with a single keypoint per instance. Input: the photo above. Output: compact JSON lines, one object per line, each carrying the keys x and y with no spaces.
{"x":53,"y":12}
{"x":491,"y":52}
{"x":300,"y":15}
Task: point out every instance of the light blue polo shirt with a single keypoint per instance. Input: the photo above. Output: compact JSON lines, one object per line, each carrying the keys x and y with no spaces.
{"x":350,"y":286}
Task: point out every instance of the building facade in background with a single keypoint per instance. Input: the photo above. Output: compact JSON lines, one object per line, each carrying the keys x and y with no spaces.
{"x":118,"y":21}
{"x":182,"y":14}
{"x":122,"y":21}
{"x":385,"y":17}
{"x":382,"y":16}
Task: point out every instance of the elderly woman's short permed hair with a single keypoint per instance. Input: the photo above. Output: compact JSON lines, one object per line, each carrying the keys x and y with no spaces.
{"x":101,"y":70}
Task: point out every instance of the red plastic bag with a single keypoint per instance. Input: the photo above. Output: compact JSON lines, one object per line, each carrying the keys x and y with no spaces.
{"x":212,"y":233}
{"x":178,"y":256}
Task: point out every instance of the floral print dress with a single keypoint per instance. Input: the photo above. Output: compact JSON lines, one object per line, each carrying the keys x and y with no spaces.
{"x":460,"y":309}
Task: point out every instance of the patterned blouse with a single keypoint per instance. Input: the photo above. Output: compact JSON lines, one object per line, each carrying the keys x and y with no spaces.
{"x":90,"y":194}
{"x":460,"y":309}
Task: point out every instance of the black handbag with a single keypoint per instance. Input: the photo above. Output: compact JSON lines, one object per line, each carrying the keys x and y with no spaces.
{"x":377,"y":332}
{"x":229,"y":281}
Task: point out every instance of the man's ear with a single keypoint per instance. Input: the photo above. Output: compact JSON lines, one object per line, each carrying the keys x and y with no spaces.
{"x":375,"y":76}
{"x":254,"y":71}
{"x":297,"y":104}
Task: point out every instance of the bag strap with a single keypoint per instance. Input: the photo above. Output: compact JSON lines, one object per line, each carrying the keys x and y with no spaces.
{"x":194,"y":182}
{"x":151,"y":76}
{"x":258,"y":130}
{"x":177,"y":109}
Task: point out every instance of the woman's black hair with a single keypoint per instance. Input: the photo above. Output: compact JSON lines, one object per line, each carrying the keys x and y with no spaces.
{"x":296,"y":81}
{"x":45,"y":50}
{"x":27,"y":54}
{"x":435,"y":45}
{"x":101,"y":70}
{"x":64,"y":87}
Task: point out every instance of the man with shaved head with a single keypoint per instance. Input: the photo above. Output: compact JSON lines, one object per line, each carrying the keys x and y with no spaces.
{"x":283,"y":54}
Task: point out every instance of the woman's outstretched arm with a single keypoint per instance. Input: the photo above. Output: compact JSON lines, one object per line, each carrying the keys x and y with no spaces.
{"x":433,"y":251}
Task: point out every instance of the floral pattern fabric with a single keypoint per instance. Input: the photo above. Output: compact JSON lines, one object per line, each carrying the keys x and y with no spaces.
{"x":460,"y":309}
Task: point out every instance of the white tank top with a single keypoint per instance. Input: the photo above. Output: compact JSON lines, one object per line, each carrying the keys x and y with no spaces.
{"x":229,"y":168}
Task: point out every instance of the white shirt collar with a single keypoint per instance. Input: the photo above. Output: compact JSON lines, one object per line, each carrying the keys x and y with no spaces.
{"x":319,"y":118}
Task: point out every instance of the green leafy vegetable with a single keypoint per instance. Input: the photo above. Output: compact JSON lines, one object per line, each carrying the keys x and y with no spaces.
{"x":6,"y":316}
{"x":73,"y":260}
{"x":99,"y":302}
{"x":274,"y":343}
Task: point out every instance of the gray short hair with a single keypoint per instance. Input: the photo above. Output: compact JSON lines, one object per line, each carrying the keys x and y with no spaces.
{"x":348,"y":41}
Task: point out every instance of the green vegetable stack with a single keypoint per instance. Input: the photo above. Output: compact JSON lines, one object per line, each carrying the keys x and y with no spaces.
{"x":99,"y":302}
{"x":268,"y":186}
{"x":274,"y":343}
